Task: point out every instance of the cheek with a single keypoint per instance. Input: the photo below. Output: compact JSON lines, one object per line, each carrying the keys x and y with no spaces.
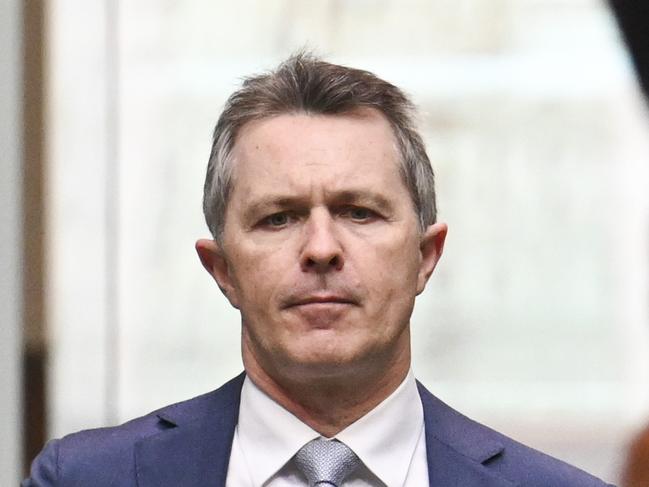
{"x":243,"y":272}
{"x":257,"y":276}
{"x":390,"y":276}
{"x":398,"y":259}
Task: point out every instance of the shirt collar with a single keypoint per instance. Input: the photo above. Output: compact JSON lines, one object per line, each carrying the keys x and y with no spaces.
{"x":268,"y":433}
{"x":384,"y":439}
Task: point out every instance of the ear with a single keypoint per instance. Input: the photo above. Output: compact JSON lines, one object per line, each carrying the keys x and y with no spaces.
{"x":216,"y":263}
{"x":430,"y":247}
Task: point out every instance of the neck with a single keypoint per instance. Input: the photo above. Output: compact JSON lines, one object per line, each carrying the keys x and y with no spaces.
{"x":330,"y":404}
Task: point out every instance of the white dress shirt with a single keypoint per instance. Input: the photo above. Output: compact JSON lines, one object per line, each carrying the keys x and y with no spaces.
{"x":389,"y":440}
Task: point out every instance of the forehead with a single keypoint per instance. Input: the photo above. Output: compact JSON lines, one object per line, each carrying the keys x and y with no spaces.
{"x":321,"y":148}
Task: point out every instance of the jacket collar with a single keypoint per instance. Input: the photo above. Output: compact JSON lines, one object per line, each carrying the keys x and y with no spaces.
{"x":458,"y":448}
{"x":193,"y":446}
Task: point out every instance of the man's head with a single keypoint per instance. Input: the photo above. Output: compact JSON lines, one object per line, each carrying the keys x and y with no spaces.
{"x":320,"y":241}
{"x":305,"y":84}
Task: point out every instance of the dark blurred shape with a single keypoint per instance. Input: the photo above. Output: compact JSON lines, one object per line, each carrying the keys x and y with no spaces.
{"x":636,"y":471}
{"x":633,"y":18}
{"x":34,"y":426}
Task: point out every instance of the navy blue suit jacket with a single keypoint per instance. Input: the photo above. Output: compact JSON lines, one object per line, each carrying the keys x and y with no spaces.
{"x":188,"y":444}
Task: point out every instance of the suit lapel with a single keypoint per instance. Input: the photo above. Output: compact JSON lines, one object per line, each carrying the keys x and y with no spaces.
{"x":449,"y":468}
{"x":457,"y":448}
{"x":194,"y":448}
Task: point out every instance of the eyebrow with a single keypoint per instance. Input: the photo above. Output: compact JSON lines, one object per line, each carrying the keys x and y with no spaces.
{"x":362,"y":196}
{"x":333,"y":198}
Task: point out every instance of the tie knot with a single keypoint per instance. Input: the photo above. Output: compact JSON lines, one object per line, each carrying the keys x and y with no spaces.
{"x":326,"y":462}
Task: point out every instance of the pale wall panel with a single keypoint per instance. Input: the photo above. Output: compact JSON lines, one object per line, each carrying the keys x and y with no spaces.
{"x":77,"y":216}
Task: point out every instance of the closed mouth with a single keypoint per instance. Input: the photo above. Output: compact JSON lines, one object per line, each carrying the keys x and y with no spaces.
{"x":323,"y":300}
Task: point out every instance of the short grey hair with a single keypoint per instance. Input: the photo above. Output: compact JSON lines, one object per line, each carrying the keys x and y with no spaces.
{"x":306,"y":84}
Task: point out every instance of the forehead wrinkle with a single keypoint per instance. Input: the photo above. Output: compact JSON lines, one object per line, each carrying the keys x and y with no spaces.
{"x":262,"y":157}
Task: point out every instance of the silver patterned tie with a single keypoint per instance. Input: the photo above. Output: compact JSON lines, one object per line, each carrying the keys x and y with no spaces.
{"x":326,"y":462}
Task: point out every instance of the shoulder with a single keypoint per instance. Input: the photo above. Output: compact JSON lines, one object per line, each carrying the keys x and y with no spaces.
{"x":499,"y":454}
{"x":105,"y":456}
{"x":102,"y":456}
{"x":533,"y":468}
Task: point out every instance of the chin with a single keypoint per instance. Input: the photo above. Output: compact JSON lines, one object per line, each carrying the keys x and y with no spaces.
{"x":328,"y":360}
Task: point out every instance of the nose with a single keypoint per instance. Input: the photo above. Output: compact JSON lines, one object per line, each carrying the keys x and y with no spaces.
{"x":322,"y":251}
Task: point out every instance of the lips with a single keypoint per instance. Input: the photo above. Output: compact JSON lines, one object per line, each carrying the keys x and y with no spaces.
{"x":320,"y":299}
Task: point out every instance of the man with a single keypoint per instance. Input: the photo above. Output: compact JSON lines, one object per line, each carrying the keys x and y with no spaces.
{"x":320,"y":199}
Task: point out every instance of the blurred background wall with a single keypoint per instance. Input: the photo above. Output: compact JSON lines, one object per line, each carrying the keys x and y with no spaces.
{"x":11,"y":341}
{"x":535,"y":323}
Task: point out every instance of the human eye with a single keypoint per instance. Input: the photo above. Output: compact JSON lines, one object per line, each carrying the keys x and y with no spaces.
{"x":276,"y":220}
{"x":359,"y":214}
